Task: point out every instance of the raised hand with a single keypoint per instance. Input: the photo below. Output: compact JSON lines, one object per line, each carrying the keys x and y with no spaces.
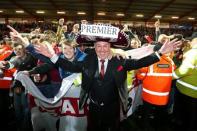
{"x":61,"y":21}
{"x":2,"y":64}
{"x":15,"y":34}
{"x":170,"y":46}
{"x":44,"y":50}
{"x":157,"y":24}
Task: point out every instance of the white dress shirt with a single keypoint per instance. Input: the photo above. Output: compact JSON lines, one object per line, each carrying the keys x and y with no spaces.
{"x":105,"y":64}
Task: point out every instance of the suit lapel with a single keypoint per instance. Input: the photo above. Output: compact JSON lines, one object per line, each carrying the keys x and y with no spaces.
{"x":92,"y":66}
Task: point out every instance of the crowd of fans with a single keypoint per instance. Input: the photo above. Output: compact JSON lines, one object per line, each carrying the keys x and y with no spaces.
{"x":139,"y":31}
{"x":22,"y":57}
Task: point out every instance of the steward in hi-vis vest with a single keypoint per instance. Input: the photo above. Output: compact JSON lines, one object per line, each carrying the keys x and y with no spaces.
{"x":5,"y":75}
{"x":6,"y":79}
{"x":185,"y":106}
{"x":156,"y":81}
{"x":186,"y":74}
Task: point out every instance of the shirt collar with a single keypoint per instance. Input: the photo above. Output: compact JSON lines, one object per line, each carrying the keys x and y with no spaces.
{"x":106,"y":60}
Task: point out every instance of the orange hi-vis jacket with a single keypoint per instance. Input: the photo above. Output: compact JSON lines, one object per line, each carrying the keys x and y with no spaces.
{"x":156,"y":81}
{"x":6,"y":80}
{"x":6,"y":51}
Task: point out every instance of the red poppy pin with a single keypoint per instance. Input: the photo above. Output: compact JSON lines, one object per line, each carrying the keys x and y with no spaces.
{"x":120,"y":68}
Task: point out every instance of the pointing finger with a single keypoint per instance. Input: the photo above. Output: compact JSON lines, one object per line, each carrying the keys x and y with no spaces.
{"x":12,"y":29}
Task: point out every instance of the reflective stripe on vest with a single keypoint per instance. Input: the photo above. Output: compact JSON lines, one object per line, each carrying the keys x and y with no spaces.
{"x":151,"y":73}
{"x":156,"y":74}
{"x":155,"y":93}
{"x":187,"y":85}
{"x":174,"y":75}
{"x":6,"y":78}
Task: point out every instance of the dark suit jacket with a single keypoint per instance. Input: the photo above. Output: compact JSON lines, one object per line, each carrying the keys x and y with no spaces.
{"x":116,"y":67}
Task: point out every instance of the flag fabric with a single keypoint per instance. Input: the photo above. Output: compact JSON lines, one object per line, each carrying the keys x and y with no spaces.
{"x":140,"y":52}
{"x":134,"y":99}
{"x":63,"y":107}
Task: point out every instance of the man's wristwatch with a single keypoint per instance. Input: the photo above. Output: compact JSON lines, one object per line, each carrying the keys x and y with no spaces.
{"x":159,"y":53}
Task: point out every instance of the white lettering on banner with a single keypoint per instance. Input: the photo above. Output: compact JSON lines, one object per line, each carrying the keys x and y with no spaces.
{"x":70,"y":107}
{"x":99,"y":30}
{"x":53,"y":110}
{"x":80,"y":111}
{"x":67,"y":107}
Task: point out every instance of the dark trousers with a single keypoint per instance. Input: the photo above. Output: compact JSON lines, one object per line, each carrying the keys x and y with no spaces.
{"x":22,"y":111}
{"x":185,"y":111}
{"x":4,"y":108}
{"x":104,"y":118}
{"x":154,"y":116}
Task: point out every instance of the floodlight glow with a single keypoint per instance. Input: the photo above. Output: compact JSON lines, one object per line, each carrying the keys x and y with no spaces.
{"x":40,"y":12}
{"x":101,"y":13}
{"x":120,"y":14}
{"x":191,"y":18}
{"x":158,"y":16}
{"x":140,"y":15}
{"x":19,"y":11}
{"x":174,"y":17}
{"x":61,"y":12}
{"x":81,"y":13}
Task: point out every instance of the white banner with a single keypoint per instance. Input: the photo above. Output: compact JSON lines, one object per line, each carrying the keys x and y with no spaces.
{"x":140,"y":52}
{"x":100,"y":30}
{"x":134,"y":99}
{"x":64,"y":106}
